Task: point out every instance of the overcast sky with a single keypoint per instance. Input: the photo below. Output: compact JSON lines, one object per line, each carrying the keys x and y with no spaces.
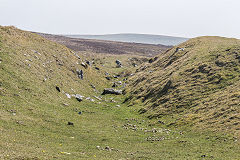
{"x":185,"y":18}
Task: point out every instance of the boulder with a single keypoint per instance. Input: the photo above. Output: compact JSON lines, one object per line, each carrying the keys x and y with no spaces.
{"x":116,"y":76}
{"x":119,"y":64}
{"x":90,"y":99}
{"x":111,"y":91}
{"x":70,"y":124}
{"x":58,"y":89}
{"x":84,"y":65}
{"x":115,"y":85}
{"x":93,"y":86}
{"x":90,"y":63}
{"x":79,"y":97}
{"x":108,"y":148}
{"x":108,"y":78}
{"x":98,"y":98}
{"x":68,"y":95}
{"x":80,"y":74}
{"x":179,"y":49}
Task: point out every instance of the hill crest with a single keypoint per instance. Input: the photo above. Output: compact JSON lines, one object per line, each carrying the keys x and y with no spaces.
{"x":197,"y":82}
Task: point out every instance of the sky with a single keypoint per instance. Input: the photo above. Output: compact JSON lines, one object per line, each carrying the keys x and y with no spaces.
{"x":183,"y":18}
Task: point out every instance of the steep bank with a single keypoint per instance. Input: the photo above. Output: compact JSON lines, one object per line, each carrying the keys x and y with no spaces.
{"x":196,"y":82}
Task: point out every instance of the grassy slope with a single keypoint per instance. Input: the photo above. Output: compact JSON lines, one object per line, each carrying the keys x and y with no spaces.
{"x":198,"y":85}
{"x":38,"y":129}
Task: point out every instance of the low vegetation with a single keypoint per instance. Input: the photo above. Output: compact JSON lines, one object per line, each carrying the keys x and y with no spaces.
{"x":196,"y":82}
{"x":108,"y":47}
{"x":136,"y":38}
{"x":41,"y":118}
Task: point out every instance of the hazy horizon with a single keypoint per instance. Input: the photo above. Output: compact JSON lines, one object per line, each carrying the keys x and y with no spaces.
{"x":179,"y":18}
{"x":123,"y":34}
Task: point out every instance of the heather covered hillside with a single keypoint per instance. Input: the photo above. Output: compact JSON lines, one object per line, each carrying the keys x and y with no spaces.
{"x":136,"y":38}
{"x":108,"y":47}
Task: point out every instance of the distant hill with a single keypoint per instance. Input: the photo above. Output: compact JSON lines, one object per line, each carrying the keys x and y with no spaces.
{"x":107,"y":47}
{"x":136,"y":38}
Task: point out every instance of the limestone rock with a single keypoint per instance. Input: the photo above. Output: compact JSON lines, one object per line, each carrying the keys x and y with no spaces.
{"x":111,"y":91}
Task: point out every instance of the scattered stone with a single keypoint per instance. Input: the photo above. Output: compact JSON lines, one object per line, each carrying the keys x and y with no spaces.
{"x":111,"y":91}
{"x":98,"y":98}
{"x":119,"y":82}
{"x":70,"y":123}
{"x":44,"y":79}
{"x":21,"y":123}
{"x":118,"y":106}
{"x":80,"y":74}
{"x":108,"y":78}
{"x":12,"y":111}
{"x":161,"y":122}
{"x":65,"y":153}
{"x":90,"y":99}
{"x":98,"y":147}
{"x":68,"y":95}
{"x":112,"y":100}
{"x":59,"y":62}
{"x":220,"y":63}
{"x":154,"y":130}
{"x":17,"y":95}
{"x":58,"y":89}
{"x":36,"y":52}
{"x":79,"y":97}
{"x":108,"y":148}
{"x":89,"y":63}
{"x":119,"y":64}
{"x":155,"y":138}
{"x":115,"y":85}
{"x":77,"y":55}
{"x":93,"y":86}
{"x":179,"y":49}
{"x":65,"y":104}
{"x":84,"y":65}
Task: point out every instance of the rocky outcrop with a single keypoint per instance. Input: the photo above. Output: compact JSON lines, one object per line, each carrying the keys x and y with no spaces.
{"x":119,"y":64}
{"x":111,"y":91}
{"x":80,"y":74}
{"x":79,"y":97}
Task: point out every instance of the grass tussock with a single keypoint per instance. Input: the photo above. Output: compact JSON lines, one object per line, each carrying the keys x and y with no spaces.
{"x":198,"y":81}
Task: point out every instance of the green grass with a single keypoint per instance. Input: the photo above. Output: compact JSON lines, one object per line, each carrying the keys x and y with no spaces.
{"x":46,"y":135}
{"x":34,"y":117}
{"x":204,"y":82}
